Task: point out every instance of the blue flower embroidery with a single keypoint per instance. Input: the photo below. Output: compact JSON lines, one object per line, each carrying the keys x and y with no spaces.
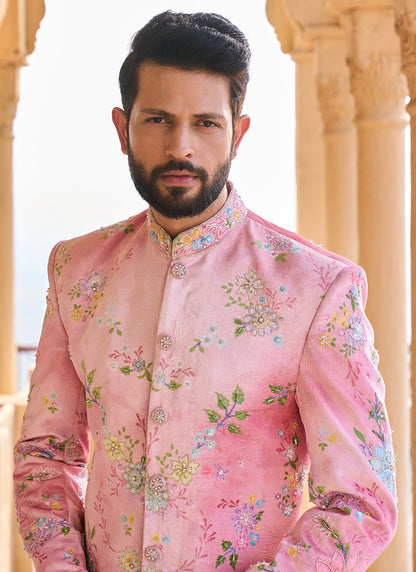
{"x":383,"y":464}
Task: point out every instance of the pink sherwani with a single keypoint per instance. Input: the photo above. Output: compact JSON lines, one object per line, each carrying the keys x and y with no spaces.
{"x":215,"y":374}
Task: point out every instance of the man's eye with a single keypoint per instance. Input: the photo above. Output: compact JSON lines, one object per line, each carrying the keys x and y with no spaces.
{"x":207,"y":123}
{"x":156,"y":120}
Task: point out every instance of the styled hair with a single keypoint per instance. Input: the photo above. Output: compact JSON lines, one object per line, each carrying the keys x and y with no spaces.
{"x":194,"y":42}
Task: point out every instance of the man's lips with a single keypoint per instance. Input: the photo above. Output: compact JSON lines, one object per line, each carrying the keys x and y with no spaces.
{"x":178,"y":177}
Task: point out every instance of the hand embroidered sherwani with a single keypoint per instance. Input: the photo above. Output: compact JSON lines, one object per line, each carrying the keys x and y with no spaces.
{"x":215,"y":374}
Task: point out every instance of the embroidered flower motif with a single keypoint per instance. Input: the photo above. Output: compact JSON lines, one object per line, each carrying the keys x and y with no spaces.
{"x":135,"y":477}
{"x":278,"y":340}
{"x":183,"y":469}
{"x":93,"y":284}
{"x":244,"y":519}
{"x":354,"y":335}
{"x":260,"y":321}
{"x":220,"y":473}
{"x":383,"y":463}
{"x":156,"y":501}
{"x":249,"y":284}
{"x":324,"y":339}
{"x":202,"y":241}
{"x":114,"y":448}
{"x":129,"y":559}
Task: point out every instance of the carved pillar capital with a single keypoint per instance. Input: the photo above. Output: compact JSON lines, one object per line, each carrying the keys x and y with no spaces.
{"x":333,"y":82}
{"x":9,"y":80}
{"x":378,"y":85}
{"x":406,"y":29}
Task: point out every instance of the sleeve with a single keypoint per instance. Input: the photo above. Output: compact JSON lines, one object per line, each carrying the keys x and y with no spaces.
{"x":52,"y":454}
{"x":340,"y":395}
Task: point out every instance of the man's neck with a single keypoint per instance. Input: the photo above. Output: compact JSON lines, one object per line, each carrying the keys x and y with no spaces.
{"x":175,"y":226}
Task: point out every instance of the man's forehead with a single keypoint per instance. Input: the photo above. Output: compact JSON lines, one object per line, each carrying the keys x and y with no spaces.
{"x":160,"y":87}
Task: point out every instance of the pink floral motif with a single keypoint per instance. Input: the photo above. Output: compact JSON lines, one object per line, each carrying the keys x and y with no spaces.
{"x":209,"y":233}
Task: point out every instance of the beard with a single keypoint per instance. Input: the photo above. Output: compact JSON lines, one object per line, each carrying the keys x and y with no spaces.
{"x":175,"y":203}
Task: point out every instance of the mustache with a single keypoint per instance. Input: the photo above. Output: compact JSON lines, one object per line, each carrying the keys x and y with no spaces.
{"x":175,"y":165}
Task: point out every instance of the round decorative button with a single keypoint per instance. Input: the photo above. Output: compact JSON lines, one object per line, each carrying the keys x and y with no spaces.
{"x":159,"y":415}
{"x":179,"y":270}
{"x":165,"y":341}
{"x":153,"y":553}
{"x":157,"y":483}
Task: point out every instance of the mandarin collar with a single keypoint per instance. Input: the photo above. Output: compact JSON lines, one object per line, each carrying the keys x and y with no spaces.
{"x":199,"y":238}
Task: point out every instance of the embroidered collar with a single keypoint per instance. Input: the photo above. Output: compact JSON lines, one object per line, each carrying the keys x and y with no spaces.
{"x":199,"y":238}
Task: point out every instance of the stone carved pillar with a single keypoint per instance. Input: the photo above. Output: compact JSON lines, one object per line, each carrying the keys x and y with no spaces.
{"x":8,"y":101}
{"x":380,"y":91}
{"x":19,"y":21}
{"x":310,"y":152}
{"x":337,"y":110}
{"x":406,"y":28}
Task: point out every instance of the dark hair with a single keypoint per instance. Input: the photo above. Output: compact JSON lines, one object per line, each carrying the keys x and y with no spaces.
{"x":200,"y":41}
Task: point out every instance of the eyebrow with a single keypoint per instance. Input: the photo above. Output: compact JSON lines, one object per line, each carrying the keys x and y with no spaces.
{"x":163,"y":113}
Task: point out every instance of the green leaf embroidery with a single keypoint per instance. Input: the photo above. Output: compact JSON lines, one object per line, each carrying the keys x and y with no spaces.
{"x":359,"y":435}
{"x":223,"y":402}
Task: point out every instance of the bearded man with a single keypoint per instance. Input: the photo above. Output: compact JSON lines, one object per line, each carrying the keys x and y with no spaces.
{"x":215,"y":361}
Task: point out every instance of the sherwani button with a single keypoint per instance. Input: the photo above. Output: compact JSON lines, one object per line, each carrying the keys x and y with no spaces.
{"x":159,"y":415}
{"x":179,"y":270}
{"x":157,"y":483}
{"x":165,"y":341}
{"x":153,"y":553}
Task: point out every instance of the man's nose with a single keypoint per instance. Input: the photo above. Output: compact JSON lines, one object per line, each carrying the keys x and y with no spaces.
{"x":179,"y":144}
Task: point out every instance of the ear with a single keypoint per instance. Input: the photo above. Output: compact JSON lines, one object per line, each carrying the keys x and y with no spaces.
{"x":241,"y":127}
{"x":120,"y":123}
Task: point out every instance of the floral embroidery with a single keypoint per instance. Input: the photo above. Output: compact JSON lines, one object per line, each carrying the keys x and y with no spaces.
{"x":63,"y":256}
{"x":249,"y":285}
{"x":224,"y":404}
{"x":89,"y":290}
{"x":198,"y":239}
{"x":123,"y":226}
{"x":135,"y":477}
{"x":183,"y":469}
{"x":51,"y":402}
{"x":381,"y":457}
{"x":206,"y":341}
{"x":111,"y":323}
{"x":129,"y":559}
{"x":115,"y":449}
{"x":323,"y":437}
{"x":261,"y":318}
{"x":281,"y":393}
{"x":50,"y":307}
{"x":349,"y":328}
{"x":93,"y":393}
{"x":71,"y":555}
{"x":127,"y":521}
{"x":327,"y":528}
{"x":43,"y":530}
{"x":220,"y":473}
{"x":166,"y":376}
{"x":156,"y":501}
{"x":245,"y":520}
{"x":278,"y":246}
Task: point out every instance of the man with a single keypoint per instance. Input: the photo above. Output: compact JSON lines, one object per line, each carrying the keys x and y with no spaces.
{"x":216,"y":360}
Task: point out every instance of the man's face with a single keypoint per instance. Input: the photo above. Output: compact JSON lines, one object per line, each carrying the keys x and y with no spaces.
{"x":179,"y":139}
